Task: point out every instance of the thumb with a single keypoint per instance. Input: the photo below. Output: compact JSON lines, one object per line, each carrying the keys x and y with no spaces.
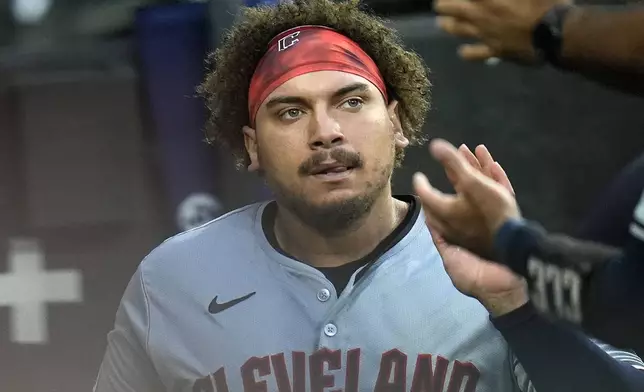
{"x":433,"y":200}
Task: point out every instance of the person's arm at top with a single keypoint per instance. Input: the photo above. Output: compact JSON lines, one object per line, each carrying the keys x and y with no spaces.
{"x":607,"y":37}
{"x":605,"y":44}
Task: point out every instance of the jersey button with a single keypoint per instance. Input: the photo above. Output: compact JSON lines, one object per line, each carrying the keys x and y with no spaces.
{"x":324,"y":295}
{"x":330,"y":329}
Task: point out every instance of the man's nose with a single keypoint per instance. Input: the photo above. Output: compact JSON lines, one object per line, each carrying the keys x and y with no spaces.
{"x":325,"y":132}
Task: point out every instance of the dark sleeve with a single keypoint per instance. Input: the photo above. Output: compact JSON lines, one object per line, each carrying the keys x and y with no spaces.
{"x":592,"y":286}
{"x":611,"y":213}
{"x":557,"y":358}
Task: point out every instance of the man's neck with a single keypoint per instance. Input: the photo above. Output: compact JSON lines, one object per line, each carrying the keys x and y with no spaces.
{"x":310,"y":246}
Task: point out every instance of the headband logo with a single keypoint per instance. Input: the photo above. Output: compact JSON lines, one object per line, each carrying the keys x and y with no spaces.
{"x":288,"y":41}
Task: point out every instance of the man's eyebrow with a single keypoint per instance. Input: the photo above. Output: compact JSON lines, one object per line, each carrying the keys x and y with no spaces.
{"x":284,"y":100}
{"x":289,"y":99}
{"x":354,"y":87}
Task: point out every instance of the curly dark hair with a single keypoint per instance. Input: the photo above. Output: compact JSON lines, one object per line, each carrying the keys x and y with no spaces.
{"x":231,"y":66}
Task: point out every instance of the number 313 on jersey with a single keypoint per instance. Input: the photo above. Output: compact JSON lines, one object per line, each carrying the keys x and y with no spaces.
{"x":555,"y":290}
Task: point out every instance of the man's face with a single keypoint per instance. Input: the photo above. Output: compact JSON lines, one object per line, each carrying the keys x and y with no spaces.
{"x":326,"y":143}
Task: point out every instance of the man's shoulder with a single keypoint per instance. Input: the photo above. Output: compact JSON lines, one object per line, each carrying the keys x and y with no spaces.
{"x":228,"y":234}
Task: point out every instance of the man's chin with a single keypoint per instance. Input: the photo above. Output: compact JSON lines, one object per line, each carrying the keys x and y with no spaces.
{"x":333,"y":198}
{"x":333,"y":211}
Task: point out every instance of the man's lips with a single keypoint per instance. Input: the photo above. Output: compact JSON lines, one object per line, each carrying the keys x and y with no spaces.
{"x":328,"y":168}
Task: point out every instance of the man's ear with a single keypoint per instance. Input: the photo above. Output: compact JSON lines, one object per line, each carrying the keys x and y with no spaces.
{"x":250,"y":140}
{"x":394,"y":118}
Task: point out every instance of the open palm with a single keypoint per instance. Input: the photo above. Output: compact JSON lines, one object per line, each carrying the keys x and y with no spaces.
{"x":475,"y":276}
{"x":471,"y":274}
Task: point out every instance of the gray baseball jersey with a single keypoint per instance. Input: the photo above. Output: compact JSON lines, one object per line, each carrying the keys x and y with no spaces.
{"x":217,"y":308}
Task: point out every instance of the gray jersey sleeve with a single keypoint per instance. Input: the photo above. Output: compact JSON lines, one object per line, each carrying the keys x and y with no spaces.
{"x":126,"y":366}
{"x":627,"y":357}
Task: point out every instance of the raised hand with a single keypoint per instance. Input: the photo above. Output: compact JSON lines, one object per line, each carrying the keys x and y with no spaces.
{"x":455,"y":220}
{"x":503,"y":28}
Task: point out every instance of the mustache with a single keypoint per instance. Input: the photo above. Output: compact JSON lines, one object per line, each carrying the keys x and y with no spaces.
{"x":342,"y":156}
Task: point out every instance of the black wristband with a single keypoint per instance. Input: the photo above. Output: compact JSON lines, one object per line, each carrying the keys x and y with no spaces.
{"x":547,"y":35}
{"x":515,"y":242}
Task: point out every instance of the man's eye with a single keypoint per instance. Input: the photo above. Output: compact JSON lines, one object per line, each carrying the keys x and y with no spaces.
{"x":291,"y":114}
{"x":352,"y":103}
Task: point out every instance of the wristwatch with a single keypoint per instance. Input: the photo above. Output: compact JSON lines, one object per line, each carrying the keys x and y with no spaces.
{"x":547,"y":36}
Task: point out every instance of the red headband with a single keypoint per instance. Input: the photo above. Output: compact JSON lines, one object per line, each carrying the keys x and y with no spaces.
{"x":307,"y":49}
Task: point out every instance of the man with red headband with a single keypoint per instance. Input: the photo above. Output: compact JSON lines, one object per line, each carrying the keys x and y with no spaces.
{"x":336,"y":285}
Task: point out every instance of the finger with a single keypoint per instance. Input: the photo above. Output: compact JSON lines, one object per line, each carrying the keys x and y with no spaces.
{"x":435,"y":203}
{"x":448,"y":156}
{"x":460,"y":9}
{"x":476,"y":52}
{"x":499,"y":175}
{"x":458,"y":27}
{"x":451,"y":176}
{"x":439,"y":242}
{"x":436,"y":228}
{"x":491,"y":198}
{"x":470,"y":157}
{"x":437,"y":237}
{"x":484,"y":156}
{"x":476,"y":186}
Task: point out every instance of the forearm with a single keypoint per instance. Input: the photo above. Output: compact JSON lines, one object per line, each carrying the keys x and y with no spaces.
{"x":612,"y":37}
{"x":606,"y":44}
{"x":557,"y":358}
{"x":579,"y":282}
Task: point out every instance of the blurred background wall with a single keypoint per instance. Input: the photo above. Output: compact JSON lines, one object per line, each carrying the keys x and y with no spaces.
{"x":101,"y":155}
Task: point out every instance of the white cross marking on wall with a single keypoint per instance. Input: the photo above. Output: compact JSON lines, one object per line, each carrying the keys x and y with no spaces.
{"x":27,"y":288}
